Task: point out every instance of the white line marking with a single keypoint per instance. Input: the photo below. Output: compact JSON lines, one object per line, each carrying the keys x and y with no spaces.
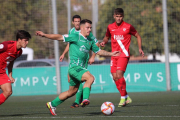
{"x":96,"y":117}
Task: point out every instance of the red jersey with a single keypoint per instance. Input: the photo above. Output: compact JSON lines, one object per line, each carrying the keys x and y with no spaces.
{"x":8,"y":53}
{"x":121,"y":37}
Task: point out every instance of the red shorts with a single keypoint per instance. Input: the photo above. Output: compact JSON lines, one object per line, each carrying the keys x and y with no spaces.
{"x":119,"y":63}
{"x":4,"y":79}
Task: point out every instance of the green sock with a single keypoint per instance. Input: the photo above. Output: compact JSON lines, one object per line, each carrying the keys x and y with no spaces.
{"x":86,"y":93}
{"x":79,"y":93}
{"x":56,"y":102}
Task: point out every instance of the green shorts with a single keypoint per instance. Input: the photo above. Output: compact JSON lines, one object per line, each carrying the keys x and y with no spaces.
{"x":75,"y":74}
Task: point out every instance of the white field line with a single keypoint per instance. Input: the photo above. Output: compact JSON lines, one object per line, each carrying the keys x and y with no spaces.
{"x":93,"y":117}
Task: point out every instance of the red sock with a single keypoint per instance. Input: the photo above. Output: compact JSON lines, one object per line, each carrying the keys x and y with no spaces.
{"x":122,"y":86}
{"x":2,"y":99}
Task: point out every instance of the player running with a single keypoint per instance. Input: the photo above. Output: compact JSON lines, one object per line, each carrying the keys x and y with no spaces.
{"x":9,"y":51}
{"x":80,"y":44}
{"x":120,"y":33}
{"x":76,"y":29}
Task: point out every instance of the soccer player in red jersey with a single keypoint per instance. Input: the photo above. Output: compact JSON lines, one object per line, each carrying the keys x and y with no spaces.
{"x":120,"y":33}
{"x":9,"y":51}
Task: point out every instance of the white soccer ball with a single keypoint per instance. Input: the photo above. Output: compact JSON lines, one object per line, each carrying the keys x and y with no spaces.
{"x":107,"y":108}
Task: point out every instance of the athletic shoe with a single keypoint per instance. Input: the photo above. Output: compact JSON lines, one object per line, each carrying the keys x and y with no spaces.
{"x":122,"y":102}
{"x":85,"y":102}
{"x":74,"y":105}
{"x":128,"y":100}
{"x":51,"y":108}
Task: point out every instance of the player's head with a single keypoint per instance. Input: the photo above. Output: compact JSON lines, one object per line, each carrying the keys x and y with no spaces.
{"x":76,"y":19}
{"x":85,"y":27}
{"x":22,"y":38}
{"x":118,"y":15}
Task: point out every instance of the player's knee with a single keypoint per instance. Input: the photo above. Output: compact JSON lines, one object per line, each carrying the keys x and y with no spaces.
{"x":7,"y":93}
{"x":119,"y":77}
{"x":91,"y":79}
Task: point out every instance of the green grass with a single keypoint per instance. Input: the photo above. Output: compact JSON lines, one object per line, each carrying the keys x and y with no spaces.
{"x":145,"y":106}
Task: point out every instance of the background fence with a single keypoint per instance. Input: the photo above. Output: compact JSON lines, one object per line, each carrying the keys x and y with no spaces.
{"x":145,"y":15}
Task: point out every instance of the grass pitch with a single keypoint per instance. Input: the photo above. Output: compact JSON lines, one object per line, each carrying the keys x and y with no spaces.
{"x":145,"y":106}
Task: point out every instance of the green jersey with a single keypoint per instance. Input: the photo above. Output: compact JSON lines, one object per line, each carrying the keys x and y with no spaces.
{"x":91,"y":36}
{"x":79,"y":48}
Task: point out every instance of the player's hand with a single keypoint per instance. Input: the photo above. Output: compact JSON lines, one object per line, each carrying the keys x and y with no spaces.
{"x":40,"y":33}
{"x":102,"y":44}
{"x":116,"y":53}
{"x":141,"y":52}
{"x":61,"y":57}
{"x":12,"y":79}
{"x":91,"y":60}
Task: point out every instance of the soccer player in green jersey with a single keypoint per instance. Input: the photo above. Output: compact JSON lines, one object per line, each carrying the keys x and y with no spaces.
{"x":79,"y":48}
{"x":75,"y":30}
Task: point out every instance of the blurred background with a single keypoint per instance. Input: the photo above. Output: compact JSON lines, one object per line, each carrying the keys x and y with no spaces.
{"x":145,"y":15}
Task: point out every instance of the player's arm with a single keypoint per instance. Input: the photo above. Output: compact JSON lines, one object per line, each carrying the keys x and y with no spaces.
{"x":50,"y":36}
{"x":3,"y":47}
{"x":91,"y":60}
{"x":10,"y":66}
{"x":98,"y":51}
{"x":106,"y":37}
{"x":139,"y":40}
{"x":65,"y":51}
{"x":106,"y":53}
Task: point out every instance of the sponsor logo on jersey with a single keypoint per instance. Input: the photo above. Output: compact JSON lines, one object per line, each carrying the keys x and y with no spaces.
{"x":118,"y":37}
{"x":1,"y":46}
{"x":83,"y":49}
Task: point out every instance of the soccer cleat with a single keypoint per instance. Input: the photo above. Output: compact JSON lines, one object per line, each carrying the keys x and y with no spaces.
{"x":51,"y":108}
{"x":128,"y":100}
{"x":74,"y":105}
{"x":122,"y":102}
{"x":85,"y":102}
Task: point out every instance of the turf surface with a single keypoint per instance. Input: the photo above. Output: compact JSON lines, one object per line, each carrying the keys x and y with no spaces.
{"x":145,"y":106}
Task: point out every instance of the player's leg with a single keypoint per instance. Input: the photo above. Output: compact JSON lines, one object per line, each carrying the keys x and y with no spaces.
{"x":121,"y":68}
{"x":5,"y":85}
{"x":114,"y":63}
{"x":78,"y":97}
{"x":89,"y":79}
{"x":7,"y":91}
{"x":61,"y":98}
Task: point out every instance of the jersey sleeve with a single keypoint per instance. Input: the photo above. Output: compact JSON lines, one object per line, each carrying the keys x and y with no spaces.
{"x":93,"y":38}
{"x":108,"y":34}
{"x":70,"y":38}
{"x":95,"y":48}
{"x":3,"y":47}
{"x":132,"y":30}
{"x":69,"y":32}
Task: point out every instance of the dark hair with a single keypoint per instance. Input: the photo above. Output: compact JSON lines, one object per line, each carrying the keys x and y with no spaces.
{"x":22,"y":34}
{"x":119,"y":11}
{"x":76,"y":16}
{"x":85,"y":21}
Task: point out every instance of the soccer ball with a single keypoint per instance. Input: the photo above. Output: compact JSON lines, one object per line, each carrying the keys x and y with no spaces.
{"x":107,"y":108}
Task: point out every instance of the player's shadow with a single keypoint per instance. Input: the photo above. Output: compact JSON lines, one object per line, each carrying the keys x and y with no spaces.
{"x":18,"y":115}
{"x":94,"y":113}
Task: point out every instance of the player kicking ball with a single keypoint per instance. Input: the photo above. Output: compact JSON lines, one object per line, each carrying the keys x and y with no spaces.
{"x":9,"y":51}
{"x":76,"y":30}
{"x":79,"y":50}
